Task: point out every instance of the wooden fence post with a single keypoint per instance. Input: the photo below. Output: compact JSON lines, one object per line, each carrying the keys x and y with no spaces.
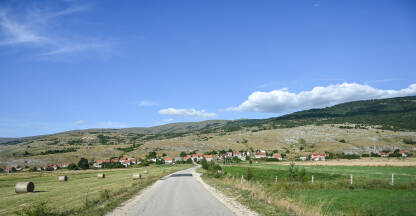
{"x":242,"y":179}
{"x":276,"y":179}
{"x":350,"y":178}
{"x":312,"y":179}
{"x":392,"y":179}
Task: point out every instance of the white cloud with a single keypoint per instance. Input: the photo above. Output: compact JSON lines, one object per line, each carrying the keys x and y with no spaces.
{"x":33,"y":28}
{"x":79,"y":122}
{"x":17,"y":33}
{"x":146,"y":103}
{"x":279,"y":101}
{"x":186,"y":113}
{"x":168,"y":120}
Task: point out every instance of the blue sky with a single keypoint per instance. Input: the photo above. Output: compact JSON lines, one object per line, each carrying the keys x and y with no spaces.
{"x":87,"y":64}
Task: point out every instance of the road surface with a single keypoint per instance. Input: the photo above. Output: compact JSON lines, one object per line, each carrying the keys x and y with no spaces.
{"x":179,"y":194}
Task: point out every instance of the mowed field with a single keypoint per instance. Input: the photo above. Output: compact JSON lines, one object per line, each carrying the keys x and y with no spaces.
{"x":83,"y":193}
{"x":331,"y":193}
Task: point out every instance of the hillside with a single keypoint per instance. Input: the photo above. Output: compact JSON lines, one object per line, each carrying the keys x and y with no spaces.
{"x":383,"y":124}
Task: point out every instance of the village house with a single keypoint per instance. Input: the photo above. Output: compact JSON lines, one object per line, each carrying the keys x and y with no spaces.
{"x":303,"y":158}
{"x":64,"y":165}
{"x":98,"y":164}
{"x":382,"y":154}
{"x":133,"y":160}
{"x":10,"y":169}
{"x":277,"y":156}
{"x":178,"y":159}
{"x":260,"y":155}
{"x":240,"y":155}
{"x":125,"y":162}
{"x":209,"y":157}
{"x":318,"y":157}
{"x":403,"y":153}
{"x":197,"y":156}
{"x":168,"y":160}
{"x":187,"y":157}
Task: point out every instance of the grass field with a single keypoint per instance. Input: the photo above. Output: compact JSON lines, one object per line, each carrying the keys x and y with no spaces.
{"x":83,"y":194}
{"x":331,"y":193}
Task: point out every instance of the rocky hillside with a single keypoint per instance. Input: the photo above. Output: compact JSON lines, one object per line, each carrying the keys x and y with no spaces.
{"x":348,"y":127}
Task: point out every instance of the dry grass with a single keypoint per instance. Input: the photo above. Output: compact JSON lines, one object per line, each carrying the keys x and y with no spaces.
{"x":82,"y":189}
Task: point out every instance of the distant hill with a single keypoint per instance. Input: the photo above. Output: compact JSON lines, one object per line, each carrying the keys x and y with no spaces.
{"x":361,"y":125}
{"x":389,"y":114}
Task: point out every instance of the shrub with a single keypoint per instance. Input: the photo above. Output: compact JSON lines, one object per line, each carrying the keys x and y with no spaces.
{"x":249,"y":175}
{"x":38,"y":209}
{"x":213,"y":167}
{"x":105,"y":195}
{"x":409,"y":141}
{"x":302,"y":175}
{"x":72,"y":166}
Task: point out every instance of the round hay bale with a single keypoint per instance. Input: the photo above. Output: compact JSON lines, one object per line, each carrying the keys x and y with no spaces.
{"x":24,"y":187}
{"x":101,"y":175}
{"x":63,"y":178}
{"x":145,"y":172}
{"x":137,"y":176}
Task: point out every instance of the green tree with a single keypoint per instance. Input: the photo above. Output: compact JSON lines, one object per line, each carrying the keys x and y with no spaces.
{"x":151,"y":155}
{"x":83,"y":163}
{"x":182,"y":154}
{"x":293,"y":171}
{"x":204,"y":164}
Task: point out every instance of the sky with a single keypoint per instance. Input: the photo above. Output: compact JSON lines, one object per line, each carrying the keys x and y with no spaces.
{"x":68,"y":65}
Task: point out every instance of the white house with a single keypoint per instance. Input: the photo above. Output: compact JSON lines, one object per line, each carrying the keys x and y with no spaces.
{"x":168,"y":160}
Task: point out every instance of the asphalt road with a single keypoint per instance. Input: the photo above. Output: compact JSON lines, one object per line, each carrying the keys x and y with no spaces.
{"x":180,"y":194}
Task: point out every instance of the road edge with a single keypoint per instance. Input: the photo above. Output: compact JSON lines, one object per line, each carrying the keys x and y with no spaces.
{"x":236,"y":207}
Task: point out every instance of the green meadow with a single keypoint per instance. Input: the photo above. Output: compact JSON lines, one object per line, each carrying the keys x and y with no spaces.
{"x":331,"y":193}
